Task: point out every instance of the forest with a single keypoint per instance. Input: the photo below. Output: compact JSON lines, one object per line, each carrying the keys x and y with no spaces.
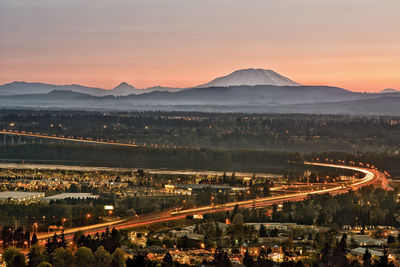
{"x":368,"y":206}
{"x":168,"y":158}
{"x":228,"y":131}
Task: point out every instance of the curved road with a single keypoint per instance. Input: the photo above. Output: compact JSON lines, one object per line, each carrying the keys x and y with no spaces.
{"x":370,"y":176}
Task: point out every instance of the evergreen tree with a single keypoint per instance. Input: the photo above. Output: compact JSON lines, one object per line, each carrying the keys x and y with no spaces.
{"x":6,"y":236}
{"x":325,"y":253}
{"x":167,"y":261}
{"x":27,"y":239}
{"x":138,"y":260}
{"x":367,"y":258}
{"x":263,"y":231}
{"x":221,"y":258}
{"x":339,"y":255}
{"x":224,"y":178}
{"x":35,"y":256}
{"x":384,"y":260}
{"x":232,"y":179}
{"x":49,"y":246}
{"x":34,"y":239}
{"x":248,"y":260}
{"x":77,"y":237}
{"x":343,"y":243}
{"x":19,"y":237}
{"x":275,"y":213}
{"x":63,"y":242}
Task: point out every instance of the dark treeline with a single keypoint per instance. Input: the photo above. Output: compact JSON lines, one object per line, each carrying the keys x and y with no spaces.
{"x":45,"y":215}
{"x":17,"y":237}
{"x":368,"y":206}
{"x":200,"y":159}
{"x":104,"y":250}
{"x":291,"y":132}
{"x":72,"y":212}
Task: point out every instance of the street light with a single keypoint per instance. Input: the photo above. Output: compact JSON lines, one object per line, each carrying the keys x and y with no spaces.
{"x":87,"y":217}
{"x":34,"y":226}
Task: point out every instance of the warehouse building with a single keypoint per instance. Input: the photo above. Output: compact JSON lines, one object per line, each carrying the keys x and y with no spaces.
{"x":20,"y":196}
{"x":70,"y":195}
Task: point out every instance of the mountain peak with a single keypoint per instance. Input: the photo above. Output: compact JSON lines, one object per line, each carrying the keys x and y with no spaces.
{"x":251,"y":77}
{"x":124,"y":89}
{"x":124,"y":85}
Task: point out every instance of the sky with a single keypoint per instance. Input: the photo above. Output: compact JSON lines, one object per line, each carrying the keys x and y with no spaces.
{"x":180,"y":43}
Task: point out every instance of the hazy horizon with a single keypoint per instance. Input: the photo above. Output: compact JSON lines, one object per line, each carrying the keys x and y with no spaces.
{"x":182,"y":43}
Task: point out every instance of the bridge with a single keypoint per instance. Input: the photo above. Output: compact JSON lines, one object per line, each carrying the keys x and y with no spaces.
{"x":18,"y":137}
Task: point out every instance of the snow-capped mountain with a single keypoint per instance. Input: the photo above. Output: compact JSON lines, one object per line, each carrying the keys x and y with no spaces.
{"x":389,"y":90}
{"x":123,"y":89}
{"x":250,"y":77}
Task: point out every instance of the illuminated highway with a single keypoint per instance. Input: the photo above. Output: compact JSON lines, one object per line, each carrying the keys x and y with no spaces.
{"x":266,"y":201}
{"x":370,"y":176}
{"x":63,"y":138}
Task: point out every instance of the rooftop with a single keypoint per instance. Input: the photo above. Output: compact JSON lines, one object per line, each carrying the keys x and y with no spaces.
{"x":20,"y":195}
{"x":71,"y":195}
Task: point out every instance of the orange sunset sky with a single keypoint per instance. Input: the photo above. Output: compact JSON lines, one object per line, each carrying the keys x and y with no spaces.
{"x":180,"y":43}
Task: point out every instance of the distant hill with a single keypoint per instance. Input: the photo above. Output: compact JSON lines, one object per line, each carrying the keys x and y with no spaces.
{"x":251,"y":95}
{"x":262,"y":98}
{"x":250,"y":77}
{"x":244,"y":77}
{"x":162,"y":89}
{"x":389,"y":90}
{"x":23,"y":88}
{"x":123,"y":89}
{"x":247,"y":90}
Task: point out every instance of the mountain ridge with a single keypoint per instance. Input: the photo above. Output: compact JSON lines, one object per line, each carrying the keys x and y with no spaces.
{"x":348,"y":103}
{"x":242,"y":77}
{"x":219,"y":94}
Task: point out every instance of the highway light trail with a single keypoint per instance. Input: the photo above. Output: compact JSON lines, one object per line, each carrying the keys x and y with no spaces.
{"x":69,"y":139}
{"x":370,"y":176}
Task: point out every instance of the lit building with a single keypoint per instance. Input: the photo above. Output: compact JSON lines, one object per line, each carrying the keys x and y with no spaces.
{"x":70,"y":195}
{"x":194,"y":189}
{"x":20,"y":197}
